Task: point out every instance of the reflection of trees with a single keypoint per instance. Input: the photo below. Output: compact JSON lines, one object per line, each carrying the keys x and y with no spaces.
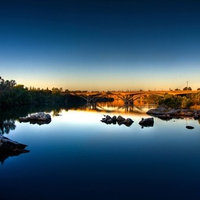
{"x":56,"y":112}
{"x":6,"y":126}
{"x":8,"y":116}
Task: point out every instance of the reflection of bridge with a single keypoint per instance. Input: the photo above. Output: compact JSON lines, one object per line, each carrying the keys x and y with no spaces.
{"x":127,"y":97}
{"x":112,"y":108}
{"x":103,"y":107}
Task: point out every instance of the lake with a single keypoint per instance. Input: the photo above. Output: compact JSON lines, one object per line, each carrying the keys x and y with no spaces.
{"x":76,"y":156}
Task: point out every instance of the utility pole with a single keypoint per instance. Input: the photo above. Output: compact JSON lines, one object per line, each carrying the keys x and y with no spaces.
{"x":187,"y":85}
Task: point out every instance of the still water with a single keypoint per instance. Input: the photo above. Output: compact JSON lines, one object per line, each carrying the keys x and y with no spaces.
{"x":78,"y":157}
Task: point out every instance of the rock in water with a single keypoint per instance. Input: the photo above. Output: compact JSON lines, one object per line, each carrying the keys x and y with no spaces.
{"x":106,"y":118}
{"x":7,"y":145}
{"x":39,"y":118}
{"x":119,"y":120}
{"x":128,"y":122}
{"x":189,"y":127}
{"x":147,"y":122}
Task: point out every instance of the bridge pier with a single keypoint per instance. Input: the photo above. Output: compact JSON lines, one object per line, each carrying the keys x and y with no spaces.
{"x":128,"y":102}
{"x":91,"y":99}
{"x":127,"y":99}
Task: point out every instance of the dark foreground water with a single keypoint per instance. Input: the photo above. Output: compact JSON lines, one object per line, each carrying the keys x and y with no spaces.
{"x":78,"y":157}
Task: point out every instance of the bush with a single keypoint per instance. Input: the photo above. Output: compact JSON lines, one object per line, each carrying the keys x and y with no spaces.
{"x":171,"y":101}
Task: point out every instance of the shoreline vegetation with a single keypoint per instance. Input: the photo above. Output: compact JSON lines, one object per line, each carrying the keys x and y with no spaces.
{"x":12,"y":95}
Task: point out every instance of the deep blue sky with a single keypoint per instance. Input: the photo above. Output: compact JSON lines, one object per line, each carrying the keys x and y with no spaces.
{"x":101,"y":45}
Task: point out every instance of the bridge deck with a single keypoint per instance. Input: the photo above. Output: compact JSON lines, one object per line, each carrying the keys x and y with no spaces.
{"x":122,"y":93}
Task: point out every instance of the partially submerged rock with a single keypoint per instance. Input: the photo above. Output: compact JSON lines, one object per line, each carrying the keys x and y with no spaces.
{"x":9,"y":146}
{"x":107,"y":119}
{"x":120,"y":120}
{"x":128,"y":121}
{"x":160,"y":110}
{"x":39,"y":118}
{"x":166,"y":113}
{"x":147,"y":122}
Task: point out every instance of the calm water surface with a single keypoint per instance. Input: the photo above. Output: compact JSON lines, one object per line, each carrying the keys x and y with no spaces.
{"x":78,"y":157}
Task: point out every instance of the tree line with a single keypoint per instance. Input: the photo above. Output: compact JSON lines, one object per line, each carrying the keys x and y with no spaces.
{"x":12,"y":94}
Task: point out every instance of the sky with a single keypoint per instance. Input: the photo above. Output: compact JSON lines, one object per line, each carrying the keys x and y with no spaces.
{"x":101,"y":44}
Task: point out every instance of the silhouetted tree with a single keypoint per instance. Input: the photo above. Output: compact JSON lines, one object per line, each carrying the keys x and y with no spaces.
{"x":187,"y":88}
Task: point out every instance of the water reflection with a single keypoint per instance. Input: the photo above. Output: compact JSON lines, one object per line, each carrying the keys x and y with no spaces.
{"x":8,"y":120}
{"x":8,"y":117}
{"x":7,"y":125}
{"x":117,"y":106}
{"x":82,"y":156}
{"x":38,"y":122}
{"x":4,"y":156}
{"x":56,"y":112}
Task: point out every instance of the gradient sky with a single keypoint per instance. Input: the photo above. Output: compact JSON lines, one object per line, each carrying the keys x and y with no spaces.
{"x":101,"y":44}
